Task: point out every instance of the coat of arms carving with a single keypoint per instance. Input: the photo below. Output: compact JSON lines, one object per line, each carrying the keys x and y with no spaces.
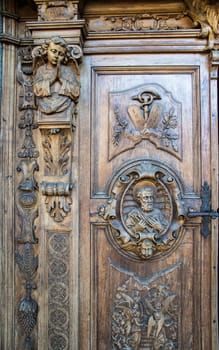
{"x":147,"y":112}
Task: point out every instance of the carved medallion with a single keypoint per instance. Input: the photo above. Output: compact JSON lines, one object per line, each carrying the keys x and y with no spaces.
{"x":146,"y":312}
{"x":145,"y":210}
{"x":147,"y":112}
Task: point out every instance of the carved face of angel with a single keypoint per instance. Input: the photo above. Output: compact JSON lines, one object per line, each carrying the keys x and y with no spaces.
{"x":56,"y":54}
{"x":145,"y":197}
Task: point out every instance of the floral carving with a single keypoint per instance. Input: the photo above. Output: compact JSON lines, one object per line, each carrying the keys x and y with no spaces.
{"x":27,"y":195}
{"x":58,"y":199}
{"x":27,"y":199}
{"x":146,"y":22}
{"x":57,"y":147}
{"x":142,"y":22}
{"x":27,"y":307}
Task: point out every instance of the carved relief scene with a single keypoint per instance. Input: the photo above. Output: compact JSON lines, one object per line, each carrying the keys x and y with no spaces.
{"x":146,"y":312}
{"x":147,"y":112}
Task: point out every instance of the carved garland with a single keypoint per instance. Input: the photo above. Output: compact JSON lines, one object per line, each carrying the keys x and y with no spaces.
{"x":27,"y":201}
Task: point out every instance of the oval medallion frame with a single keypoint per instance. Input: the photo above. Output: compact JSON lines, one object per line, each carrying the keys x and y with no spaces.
{"x":145,"y":210}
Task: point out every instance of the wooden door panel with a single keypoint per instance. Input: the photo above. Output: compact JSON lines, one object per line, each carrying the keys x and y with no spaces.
{"x":156,"y":299}
{"x":181,"y":82}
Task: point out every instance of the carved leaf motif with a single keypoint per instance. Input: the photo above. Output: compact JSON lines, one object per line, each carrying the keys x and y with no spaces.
{"x":48,"y":157}
{"x":58,"y":206}
{"x":27,"y":262}
{"x":65,"y":145}
{"x":27,"y":314}
{"x":57,"y":147}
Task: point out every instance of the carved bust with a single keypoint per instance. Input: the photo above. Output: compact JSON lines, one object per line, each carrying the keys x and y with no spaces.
{"x":56,"y":84}
{"x":145,"y":223}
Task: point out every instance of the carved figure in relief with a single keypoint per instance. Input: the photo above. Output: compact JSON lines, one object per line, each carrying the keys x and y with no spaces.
{"x":146,"y":223}
{"x":56,"y":83}
{"x":146,"y":313}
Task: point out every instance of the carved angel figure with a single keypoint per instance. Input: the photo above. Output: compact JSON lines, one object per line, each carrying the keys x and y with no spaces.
{"x":56,"y":83}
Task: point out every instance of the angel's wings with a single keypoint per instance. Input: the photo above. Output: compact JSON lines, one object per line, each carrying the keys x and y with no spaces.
{"x":38,"y":60}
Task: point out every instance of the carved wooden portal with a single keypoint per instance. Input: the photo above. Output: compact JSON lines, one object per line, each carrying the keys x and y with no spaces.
{"x":111,"y":135}
{"x":143,"y":171}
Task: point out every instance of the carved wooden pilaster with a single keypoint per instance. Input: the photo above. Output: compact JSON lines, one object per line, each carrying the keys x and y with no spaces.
{"x":56,"y":92}
{"x":26,"y":254}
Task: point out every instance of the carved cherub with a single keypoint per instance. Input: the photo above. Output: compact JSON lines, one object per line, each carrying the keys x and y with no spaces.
{"x":56,"y":82}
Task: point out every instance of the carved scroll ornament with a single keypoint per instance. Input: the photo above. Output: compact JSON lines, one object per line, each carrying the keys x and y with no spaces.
{"x":147,"y":112}
{"x":205,"y":13}
{"x":58,"y":199}
{"x":145,"y":211}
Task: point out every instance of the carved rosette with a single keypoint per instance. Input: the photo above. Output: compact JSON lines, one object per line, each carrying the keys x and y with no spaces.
{"x":145,"y":211}
{"x":58,"y":293}
{"x":146,"y":312}
{"x":147,"y":112}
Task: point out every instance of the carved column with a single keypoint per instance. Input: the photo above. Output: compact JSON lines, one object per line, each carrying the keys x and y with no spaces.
{"x":56,"y":86}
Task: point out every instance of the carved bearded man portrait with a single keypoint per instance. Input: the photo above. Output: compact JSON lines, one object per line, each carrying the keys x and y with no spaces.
{"x":56,"y":85}
{"x":146,"y":223}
